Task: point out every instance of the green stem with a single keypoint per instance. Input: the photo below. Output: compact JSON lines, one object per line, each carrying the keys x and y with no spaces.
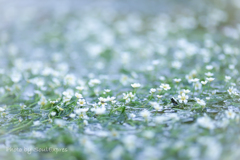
{"x":21,"y":127}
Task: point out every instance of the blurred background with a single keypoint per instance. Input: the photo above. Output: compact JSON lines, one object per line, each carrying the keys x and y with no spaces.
{"x":106,"y":36}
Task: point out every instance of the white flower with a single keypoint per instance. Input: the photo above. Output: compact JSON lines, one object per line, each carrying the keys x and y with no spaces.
{"x":152,"y":90}
{"x":156,"y":106}
{"x":70,"y":79}
{"x":94,"y":82}
{"x":176,"y":64}
{"x":42,"y":101}
{"x":125,"y":96}
{"x":136,"y":85}
{"x":68,"y":93}
{"x":36,"y":123}
{"x":197,"y":99}
{"x":201,"y":102}
{"x":77,"y":111}
{"x":95,"y":105}
{"x":72,"y":115}
{"x":159,"y":89}
{"x":79,"y":96}
{"x":183,"y":98}
{"x":165,"y":86}
{"x":231,"y":66}
{"x":162,"y":78}
{"x":131,"y":95}
{"x":53,"y":113}
{"x":107,"y":90}
{"x":161,"y":119}
{"x":20,"y":119}
{"x":39,"y":93}
{"x":132,"y":115}
{"x":128,"y":97}
{"x":100,"y":110}
{"x":227,"y":78}
{"x":111,"y":99}
{"x":159,"y":96}
{"x":197,"y":86}
{"x":177,"y":80}
{"x":210,"y":79}
{"x":2,"y":109}
{"x":81,"y":102}
{"x":130,"y":142}
{"x":214,"y":92}
{"x":80,"y":88}
{"x":67,"y":98}
{"x":189,"y":78}
{"x":53,"y":102}
{"x":230,"y":114}
{"x":85,"y":122}
{"x":204,"y":82}
{"x":194,"y":80}
{"x":60,"y":122}
{"x":186,"y":91}
{"x":16,"y":77}
{"x":124,"y":79}
{"x":9,"y":89}
{"x":235,"y":93}
{"x":102,"y":101}
{"x":209,"y":67}
{"x":205,"y":122}
{"x":231,"y":90}
{"x":209,"y":74}
{"x":80,"y":111}
{"x":155,"y":62}
{"x":145,"y":114}
{"x":39,"y":82}
{"x":208,"y":98}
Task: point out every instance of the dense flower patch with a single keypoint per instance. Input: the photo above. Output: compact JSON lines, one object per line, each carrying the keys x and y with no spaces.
{"x":109,"y":85}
